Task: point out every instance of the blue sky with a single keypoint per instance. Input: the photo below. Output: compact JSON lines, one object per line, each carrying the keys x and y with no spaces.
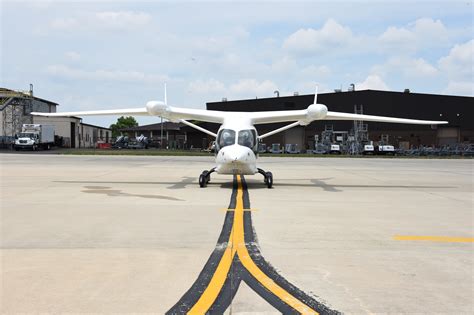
{"x":118,"y":54}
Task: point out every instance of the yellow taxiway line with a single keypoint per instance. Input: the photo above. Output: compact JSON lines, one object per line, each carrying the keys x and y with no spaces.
{"x":236,"y":245}
{"x":446,"y":239}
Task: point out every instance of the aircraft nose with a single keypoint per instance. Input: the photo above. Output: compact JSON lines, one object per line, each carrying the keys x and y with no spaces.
{"x":236,"y":154}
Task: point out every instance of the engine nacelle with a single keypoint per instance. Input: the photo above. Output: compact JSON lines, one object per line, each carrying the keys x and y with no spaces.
{"x":315,"y":112}
{"x":156,"y":108}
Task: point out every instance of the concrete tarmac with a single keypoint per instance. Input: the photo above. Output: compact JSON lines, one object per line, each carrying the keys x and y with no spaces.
{"x":116,"y":234}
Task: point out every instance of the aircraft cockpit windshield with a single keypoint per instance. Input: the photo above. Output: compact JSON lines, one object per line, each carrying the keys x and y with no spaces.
{"x":248,"y":138}
{"x":226,"y":137}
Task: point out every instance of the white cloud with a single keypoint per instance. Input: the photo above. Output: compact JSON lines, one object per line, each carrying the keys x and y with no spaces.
{"x":310,"y":40}
{"x":244,"y":88}
{"x":207,"y":86}
{"x":459,"y":62}
{"x":252,"y":87}
{"x":42,"y":4}
{"x":460,"y":88}
{"x":122,"y":19}
{"x":429,"y":29}
{"x":409,"y":67}
{"x":316,"y":72}
{"x":104,"y":75}
{"x":64,"y":23}
{"x":105,"y":20}
{"x":284,"y":65}
{"x":419,"y":67}
{"x":422,"y":34}
{"x":397,"y":36}
{"x":240,"y":32}
{"x":73,"y":56}
{"x":458,"y":68}
{"x":214,"y":45}
{"x":287,"y":66}
{"x":372,"y":82}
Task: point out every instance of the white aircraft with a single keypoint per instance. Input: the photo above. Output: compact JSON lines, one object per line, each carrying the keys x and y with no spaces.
{"x":237,"y":139}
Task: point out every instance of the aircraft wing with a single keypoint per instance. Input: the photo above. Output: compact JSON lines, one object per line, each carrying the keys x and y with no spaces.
{"x":153,"y":108}
{"x":114,"y":112}
{"x":278,"y":116}
{"x":320,"y":112}
{"x":348,"y":116}
{"x":177,"y":114}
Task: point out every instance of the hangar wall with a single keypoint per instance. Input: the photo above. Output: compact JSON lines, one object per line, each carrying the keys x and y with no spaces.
{"x":458,"y":110}
{"x":74,"y":133}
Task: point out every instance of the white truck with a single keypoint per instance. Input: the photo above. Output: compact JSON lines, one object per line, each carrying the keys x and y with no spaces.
{"x":385,"y":149}
{"x":335,"y":149}
{"x":35,"y":136}
{"x":368,"y":148}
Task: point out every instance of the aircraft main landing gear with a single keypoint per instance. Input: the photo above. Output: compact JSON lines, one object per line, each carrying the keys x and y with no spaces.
{"x":268,"y":177}
{"x":205,"y":177}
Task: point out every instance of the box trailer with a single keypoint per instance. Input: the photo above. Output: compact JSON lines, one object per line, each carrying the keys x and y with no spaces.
{"x":35,"y":136}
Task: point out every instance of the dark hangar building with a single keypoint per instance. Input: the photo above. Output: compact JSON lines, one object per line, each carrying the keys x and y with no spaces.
{"x":457,"y":110}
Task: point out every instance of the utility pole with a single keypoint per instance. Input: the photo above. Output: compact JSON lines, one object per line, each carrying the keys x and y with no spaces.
{"x":161,"y":137}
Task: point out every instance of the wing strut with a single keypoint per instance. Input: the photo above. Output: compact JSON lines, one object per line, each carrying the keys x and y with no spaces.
{"x":198,"y":128}
{"x":296,"y":123}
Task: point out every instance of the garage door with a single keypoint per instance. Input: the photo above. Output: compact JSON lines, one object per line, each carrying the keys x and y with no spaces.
{"x":448,"y":136}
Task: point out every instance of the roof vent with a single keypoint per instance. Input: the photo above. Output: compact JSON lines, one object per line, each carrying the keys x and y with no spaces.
{"x":224,"y":99}
{"x":406,"y":91}
{"x":296,"y":93}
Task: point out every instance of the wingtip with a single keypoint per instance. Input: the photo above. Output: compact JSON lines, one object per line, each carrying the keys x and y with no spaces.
{"x":37,"y":114}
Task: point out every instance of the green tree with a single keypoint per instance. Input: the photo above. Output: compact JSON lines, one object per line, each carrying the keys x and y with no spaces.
{"x":122,"y":122}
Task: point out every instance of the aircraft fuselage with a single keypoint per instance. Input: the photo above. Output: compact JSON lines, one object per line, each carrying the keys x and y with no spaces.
{"x":237,"y":149}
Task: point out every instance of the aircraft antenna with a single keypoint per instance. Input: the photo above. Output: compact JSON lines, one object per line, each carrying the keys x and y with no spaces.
{"x":316,"y":95}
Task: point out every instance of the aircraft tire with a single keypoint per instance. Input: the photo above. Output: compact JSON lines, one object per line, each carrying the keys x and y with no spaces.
{"x":269,"y":179}
{"x":207,"y":176}
{"x":202,"y":180}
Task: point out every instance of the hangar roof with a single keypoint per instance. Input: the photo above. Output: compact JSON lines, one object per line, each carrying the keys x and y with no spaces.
{"x":11,"y":93}
{"x":95,"y":126}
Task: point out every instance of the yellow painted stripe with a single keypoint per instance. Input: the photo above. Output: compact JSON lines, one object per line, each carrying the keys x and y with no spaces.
{"x":248,"y":263}
{"x":447,"y":239}
{"x":231,"y":210}
{"x":209,"y":295}
{"x":235,"y":245}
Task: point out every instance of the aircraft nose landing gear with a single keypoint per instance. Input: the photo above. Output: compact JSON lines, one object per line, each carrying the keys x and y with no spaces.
{"x":268,"y":177}
{"x":205,"y":177}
